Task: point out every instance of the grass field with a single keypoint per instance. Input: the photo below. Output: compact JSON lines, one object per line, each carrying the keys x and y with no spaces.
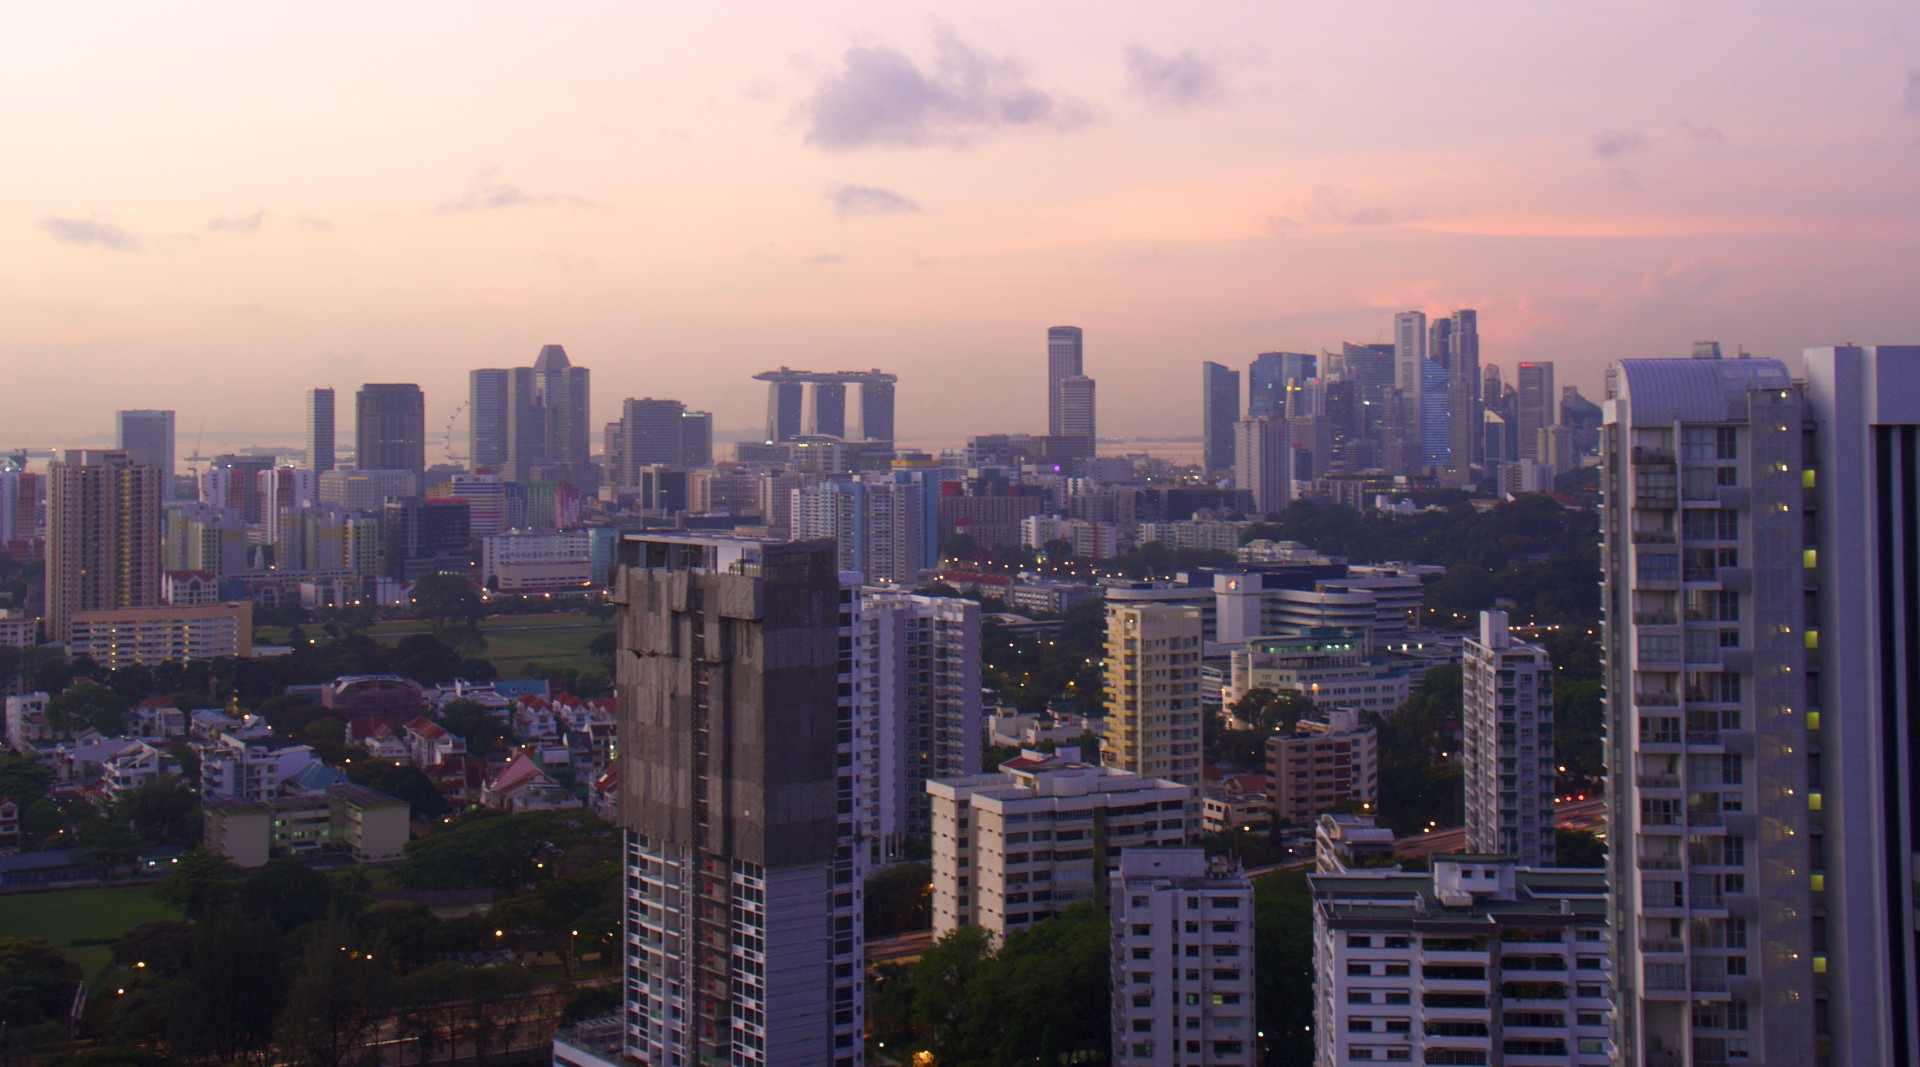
{"x":62,"y":915}
{"x":513,"y":641}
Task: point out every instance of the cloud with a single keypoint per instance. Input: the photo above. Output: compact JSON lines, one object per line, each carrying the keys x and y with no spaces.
{"x":312,"y":223}
{"x":485,"y":194}
{"x":1335,"y":205}
{"x":1699,"y":133}
{"x":869,"y":200}
{"x":1615,"y":143}
{"x":882,"y":98}
{"x":1681,"y":284}
{"x":1181,"y":80}
{"x":244,"y":224}
{"x":1913,"y":92}
{"x":90,"y":233}
{"x":827,"y":259}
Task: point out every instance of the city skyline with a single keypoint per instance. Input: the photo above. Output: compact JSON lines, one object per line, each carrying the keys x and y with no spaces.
{"x":1589,"y":218}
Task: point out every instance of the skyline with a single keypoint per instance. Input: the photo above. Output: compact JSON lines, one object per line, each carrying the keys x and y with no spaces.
{"x":684,"y":200}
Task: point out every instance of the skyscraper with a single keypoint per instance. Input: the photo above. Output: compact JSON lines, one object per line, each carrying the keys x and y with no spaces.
{"x":876,"y":411}
{"x":1078,"y":410}
{"x":548,"y":430}
{"x":1219,"y":410}
{"x":1267,"y":378}
{"x":1716,"y":869}
{"x":1064,"y":360}
{"x":1153,"y":691}
{"x":487,"y":392}
{"x":1466,"y":412}
{"x":320,"y":427}
{"x":1263,"y":462}
{"x":1171,"y":907}
{"x":103,"y":536}
{"x":743,"y":871}
{"x":1537,"y":407}
{"x":1507,"y":700}
{"x":1409,"y":351}
{"x":660,"y":432}
{"x":1864,"y":662}
{"x":146,"y":436}
{"x":390,"y":428}
{"x":877,"y":524}
{"x":918,"y":684}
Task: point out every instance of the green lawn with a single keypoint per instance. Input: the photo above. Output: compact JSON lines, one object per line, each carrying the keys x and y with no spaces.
{"x":513,"y":641}
{"x":62,"y":915}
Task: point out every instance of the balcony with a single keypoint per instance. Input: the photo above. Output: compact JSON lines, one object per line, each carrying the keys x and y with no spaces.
{"x":1664,"y":946}
{"x":1655,"y":618}
{"x":1652,"y":457}
{"x":1659,"y":863}
{"x":1657,"y":781}
{"x":1657,"y":700}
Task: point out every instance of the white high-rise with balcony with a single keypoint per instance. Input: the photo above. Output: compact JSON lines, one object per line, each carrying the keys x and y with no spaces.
{"x":1507,"y":700}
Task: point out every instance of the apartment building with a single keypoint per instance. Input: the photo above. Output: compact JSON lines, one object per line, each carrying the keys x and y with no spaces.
{"x":1322,"y":765}
{"x":1183,"y":975}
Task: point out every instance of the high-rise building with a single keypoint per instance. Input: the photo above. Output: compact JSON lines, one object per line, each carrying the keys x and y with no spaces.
{"x":146,"y":436}
{"x":877,"y":524}
{"x":103,"y":536}
{"x":743,"y":883}
{"x":1182,"y":961}
{"x":1154,"y":717}
{"x":918,"y":684}
{"x":427,"y":537}
{"x":1409,"y":352}
{"x":802,"y":403}
{"x":1506,"y":690}
{"x":1476,"y":962}
{"x":876,"y":411}
{"x":390,"y":428}
{"x":827,"y":414}
{"x":1466,"y":412}
{"x":1021,"y":845}
{"x":320,"y":427}
{"x":1263,"y":462}
{"x":1065,"y":359}
{"x":1267,"y":378}
{"x":487,"y":392}
{"x":548,"y":426}
{"x":1219,"y":410}
{"x":1863,"y":658}
{"x":1718,"y":878}
{"x":1537,"y":407}
{"x":1077,"y":411}
{"x":661,"y":432}
{"x":19,"y":499}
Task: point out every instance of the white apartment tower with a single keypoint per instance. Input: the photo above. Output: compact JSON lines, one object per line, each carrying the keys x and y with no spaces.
{"x":1710,"y":733}
{"x":739,"y":798}
{"x":918,"y":685}
{"x":1263,"y":461}
{"x":1476,"y":962}
{"x":1016,"y":847}
{"x":1182,"y":961}
{"x":1507,"y":699}
{"x":1154,"y":716}
{"x":878,"y":526}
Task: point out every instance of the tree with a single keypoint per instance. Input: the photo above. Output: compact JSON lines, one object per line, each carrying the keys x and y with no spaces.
{"x":224,"y":1006}
{"x":36,"y":982}
{"x":287,"y":893}
{"x":946,"y":972}
{"x":1578,"y":848}
{"x":406,"y":782}
{"x":426,"y":659}
{"x":201,"y":884}
{"x":87,"y":705}
{"x":24,"y":779}
{"x":338,"y":993}
{"x":1283,"y":976}
{"x":898,"y":900}
{"x":164,"y":811}
{"x":446,"y":599}
{"x":162,"y":948}
{"x":483,"y":732}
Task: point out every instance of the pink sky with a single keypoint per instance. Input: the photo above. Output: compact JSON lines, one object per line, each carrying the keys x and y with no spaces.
{"x":209,"y":207}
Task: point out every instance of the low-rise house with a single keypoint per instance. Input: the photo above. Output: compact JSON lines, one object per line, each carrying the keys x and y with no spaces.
{"x":135,"y":766}
{"x":524,"y":785}
{"x":250,"y":770}
{"x":603,"y":797}
{"x":1237,"y":804}
{"x":82,"y":761}
{"x":9,"y":824}
{"x":429,"y":744}
{"x":386,"y":743}
{"x":352,"y":820}
{"x":27,"y":721}
{"x":156,"y":719}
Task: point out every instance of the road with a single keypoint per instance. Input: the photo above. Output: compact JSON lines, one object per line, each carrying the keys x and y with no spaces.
{"x":1571,"y":815}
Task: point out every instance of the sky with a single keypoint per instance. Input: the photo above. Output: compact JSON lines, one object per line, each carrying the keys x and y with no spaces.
{"x":210,"y":207}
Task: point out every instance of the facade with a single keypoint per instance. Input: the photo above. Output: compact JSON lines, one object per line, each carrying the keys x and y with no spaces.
{"x":365,"y":489}
{"x":742,"y":938}
{"x":1866,"y":527}
{"x":1716,"y":876}
{"x":147,"y":439}
{"x":426,"y":537}
{"x":487,"y":419}
{"x":1537,"y":407}
{"x":1466,"y":411}
{"x":1322,"y":765}
{"x":1065,"y":359}
{"x":523,"y":562}
{"x":1345,"y":842}
{"x":1268,"y":378}
{"x":364,"y":823}
{"x":1079,"y":412}
{"x":1263,"y":462}
{"x":126,"y":637}
{"x":320,"y":429}
{"x":918,"y":684}
{"x":1219,"y":410}
{"x":1507,"y":701}
{"x":1326,"y":667}
{"x":1477,"y":962}
{"x":103,"y":536}
{"x":877,"y":524}
{"x":250,"y":770}
{"x":661,"y":432}
{"x":1153,"y":723}
{"x":1013,"y":848}
{"x":1182,"y":961}
{"x":390,"y":428}
{"x":548,"y":432}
